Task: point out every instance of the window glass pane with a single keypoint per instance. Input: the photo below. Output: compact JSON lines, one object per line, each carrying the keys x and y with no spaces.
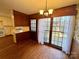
{"x":60,"y":39}
{"x":48,"y":24}
{"x":52,"y":42}
{"x":33,"y":29}
{"x":53,"y":34}
{"x":59,"y":44}
{"x":56,"y":42}
{"x":62,"y":24}
{"x":53,"y":38}
{"x":54,"y":23}
{"x":60,"y":34}
{"x":46,"y":36}
{"x":61,"y":28}
{"x":33,"y":25}
{"x":47,"y":28}
{"x":56,"y":34}
{"x":57,"y":29}
{"x":33,"y":21}
{"x":54,"y":19}
{"x":54,"y":28}
{"x":58,"y":24}
{"x":56,"y":38}
{"x":65,"y":35}
{"x":63,"y":19}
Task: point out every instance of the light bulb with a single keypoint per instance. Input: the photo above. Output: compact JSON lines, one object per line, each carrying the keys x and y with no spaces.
{"x":46,"y":13}
{"x":50,"y":11}
{"x":41,"y":12}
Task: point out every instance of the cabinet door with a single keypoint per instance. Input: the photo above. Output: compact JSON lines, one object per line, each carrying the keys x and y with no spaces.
{"x":20,"y":19}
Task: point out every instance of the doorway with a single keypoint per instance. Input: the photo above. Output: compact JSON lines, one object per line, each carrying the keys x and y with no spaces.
{"x":44,"y":30}
{"x":57,"y":37}
{"x":56,"y":32}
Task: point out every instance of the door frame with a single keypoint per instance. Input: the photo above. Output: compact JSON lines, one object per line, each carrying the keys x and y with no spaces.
{"x":50,"y":35}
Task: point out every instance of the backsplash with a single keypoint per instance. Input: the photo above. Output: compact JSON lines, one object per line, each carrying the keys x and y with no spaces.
{"x":21,"y":29}
{"x":6,"y":22}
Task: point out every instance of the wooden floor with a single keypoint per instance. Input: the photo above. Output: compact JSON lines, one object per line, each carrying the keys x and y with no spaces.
{"x":31,"y":50}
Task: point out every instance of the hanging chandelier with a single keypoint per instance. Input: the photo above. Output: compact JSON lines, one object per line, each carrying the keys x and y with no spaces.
{"x":46,"y":12}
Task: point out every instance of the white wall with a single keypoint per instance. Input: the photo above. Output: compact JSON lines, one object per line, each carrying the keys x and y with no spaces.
{"x":6,"y":19}
{"x":75,"y":48}
{"x":77,"y":25}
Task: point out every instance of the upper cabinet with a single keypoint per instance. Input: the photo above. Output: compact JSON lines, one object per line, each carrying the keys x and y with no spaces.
{"x":20,"y":19}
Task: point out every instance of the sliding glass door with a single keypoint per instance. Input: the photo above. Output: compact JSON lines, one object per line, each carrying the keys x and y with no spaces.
{"x":47,"y":30}
{"x":57,"y":31}
{"x":43,"y":30}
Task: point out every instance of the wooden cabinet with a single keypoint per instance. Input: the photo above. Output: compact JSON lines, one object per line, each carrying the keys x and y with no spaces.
{"x":24,"y":36}
{"x":20,"y":19}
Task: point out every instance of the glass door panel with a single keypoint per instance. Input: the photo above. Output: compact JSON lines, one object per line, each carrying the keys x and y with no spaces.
{"x":33,"y":25}
{"x":46,"y":36}
{"x":57,"y":31}
{"x":46,"y":30}
{"x":59,"y":28}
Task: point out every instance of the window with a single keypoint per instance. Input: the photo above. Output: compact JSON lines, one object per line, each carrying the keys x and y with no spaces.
{"x":44,"y":29}
{"x":58,"y":30}
{"x":33,"y":25}
{"x":47,"y":29}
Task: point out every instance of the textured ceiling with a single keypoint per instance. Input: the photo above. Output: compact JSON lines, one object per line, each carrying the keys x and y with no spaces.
{"x":33,"y":6}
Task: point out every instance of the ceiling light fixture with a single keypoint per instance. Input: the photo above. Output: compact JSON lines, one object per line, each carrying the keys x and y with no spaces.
{"x":46,"y":12}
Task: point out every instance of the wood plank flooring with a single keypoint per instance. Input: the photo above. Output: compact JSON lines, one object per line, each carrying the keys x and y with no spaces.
{"x":31,"y":50}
